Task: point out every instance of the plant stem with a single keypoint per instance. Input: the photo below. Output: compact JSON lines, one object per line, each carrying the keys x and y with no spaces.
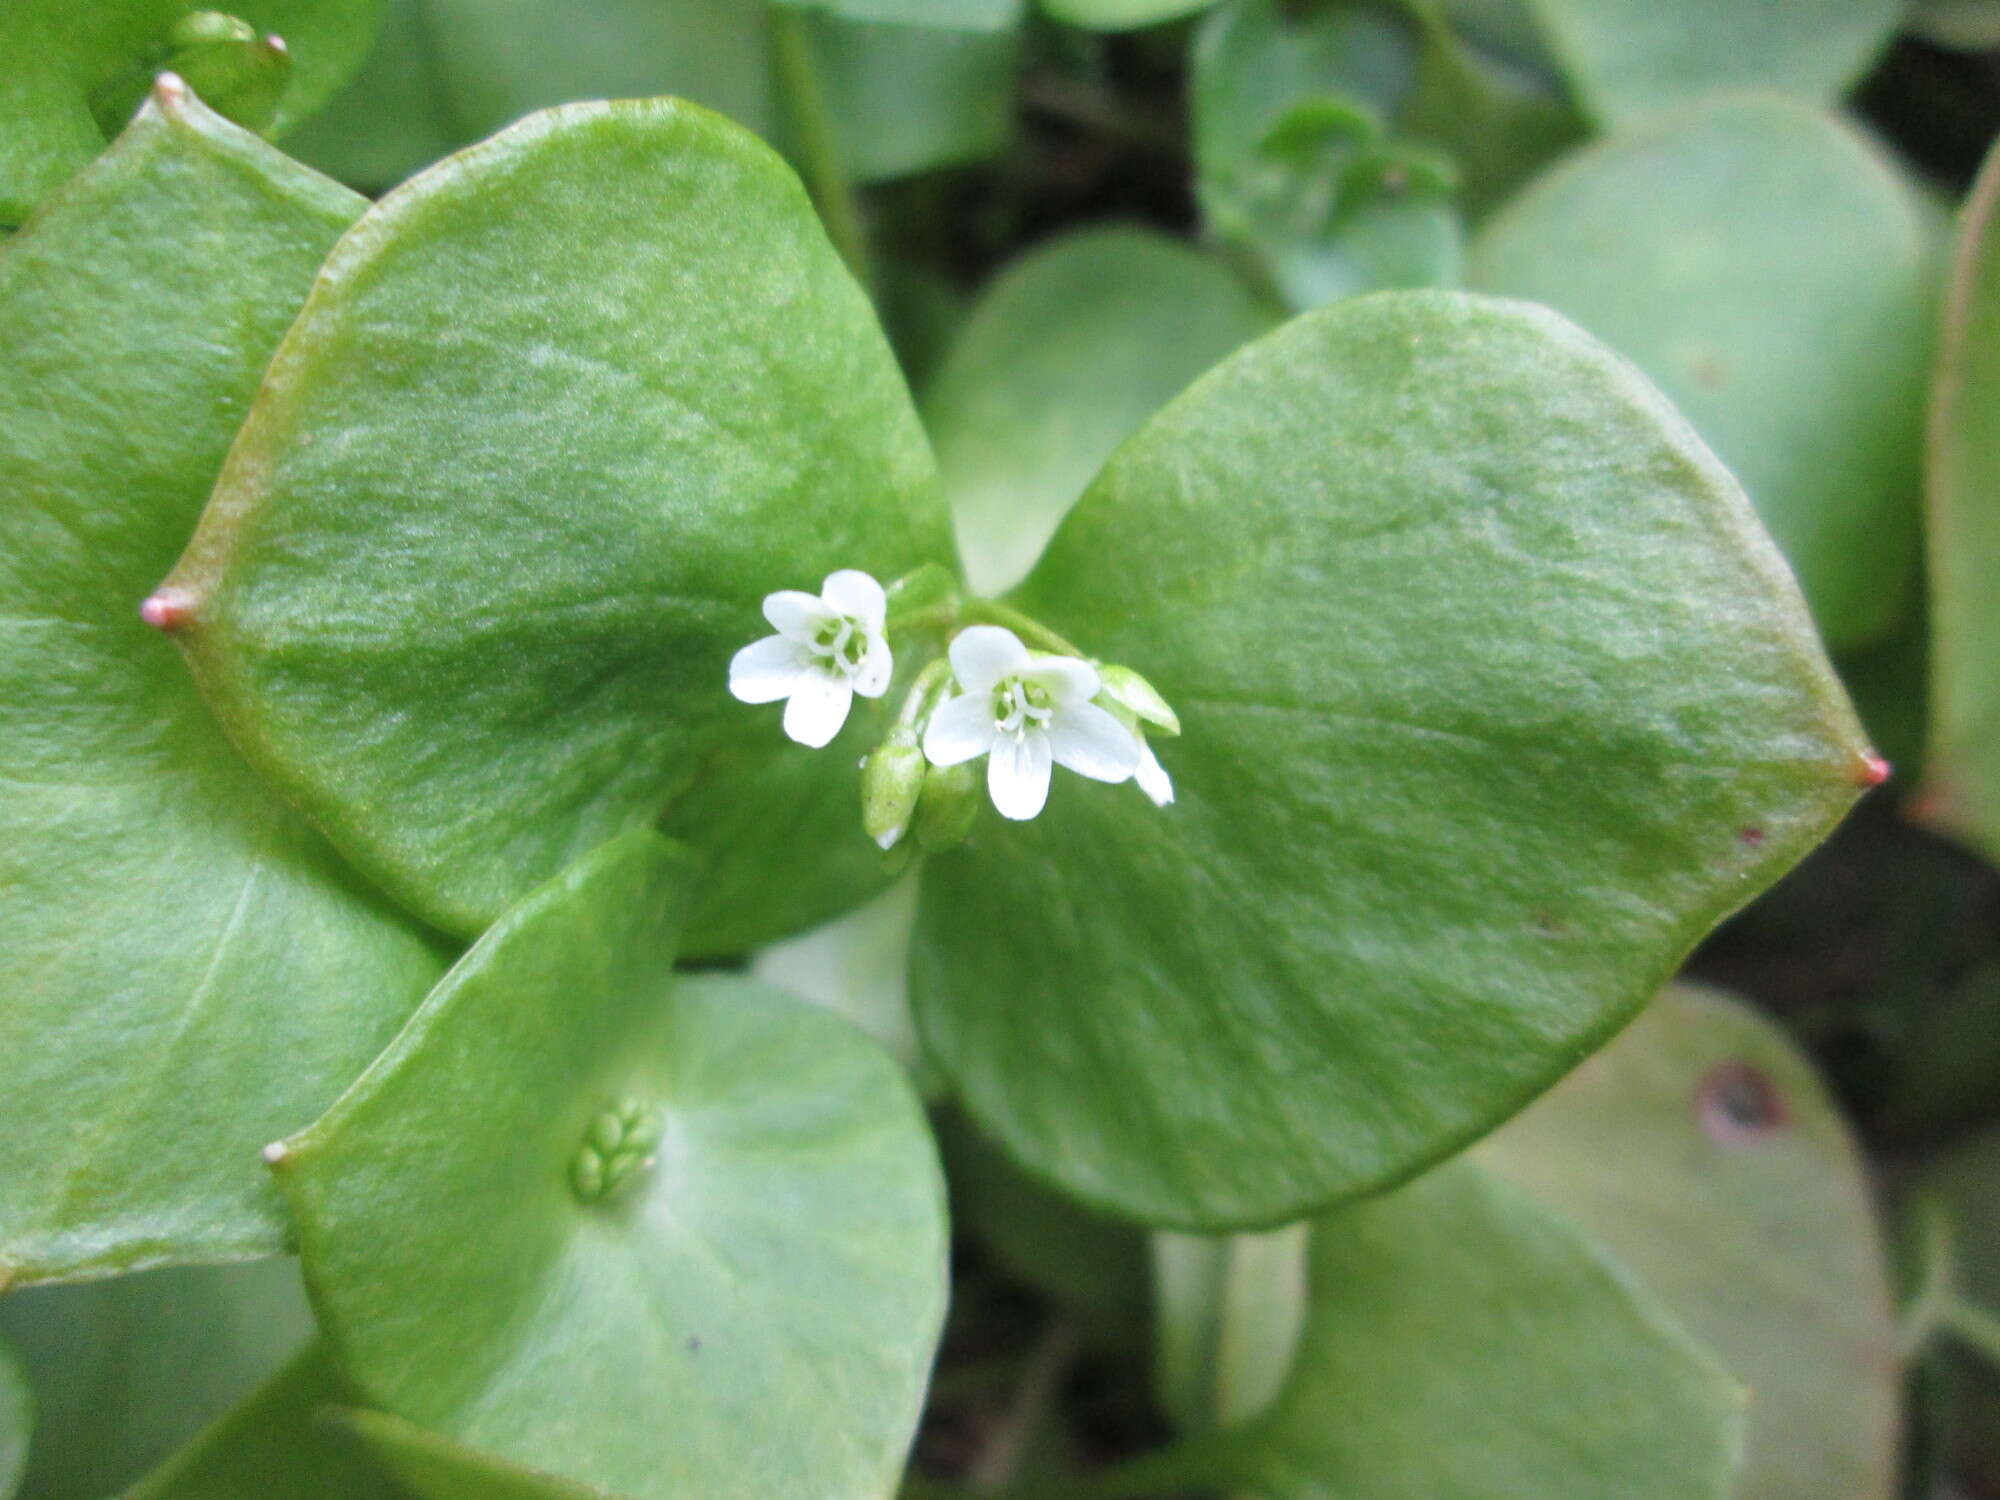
{"x":1973,"y":1326}
{"x":813,"y":142}
{"x":1036,"y":1395}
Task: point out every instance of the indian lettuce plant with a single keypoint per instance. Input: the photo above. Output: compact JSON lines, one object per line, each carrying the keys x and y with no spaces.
{"x":621,"y":721}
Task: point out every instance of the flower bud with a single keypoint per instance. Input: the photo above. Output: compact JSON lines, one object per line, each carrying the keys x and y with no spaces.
{"x":1140,"y":698}
{"x":891,"y":780}
{"x":947,"y":808}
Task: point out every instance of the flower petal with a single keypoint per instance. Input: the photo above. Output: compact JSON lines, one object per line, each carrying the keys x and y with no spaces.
{"x":1092,"y":743}
{"x":871,"y":679}
{"x":983,"y":654}
{"x":1153,"y":779}
{"x":853,"y":593}
{"x":1067,"y":679}
{"x":765,"y":671}
{"x":795,"y":614}
{"x":1017,"y":776}
{"x":960,"y":729}
{"x":819,"y":707}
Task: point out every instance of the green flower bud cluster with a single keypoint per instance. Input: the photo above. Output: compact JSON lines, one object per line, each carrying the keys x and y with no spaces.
{"x":618,"y":1146}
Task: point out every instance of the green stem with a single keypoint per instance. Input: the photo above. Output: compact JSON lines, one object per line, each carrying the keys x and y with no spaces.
{"x":1973,"y":1326}
{"x":812,"y":136}
{"x":1034,"y":632}
{"x":923,"y":694}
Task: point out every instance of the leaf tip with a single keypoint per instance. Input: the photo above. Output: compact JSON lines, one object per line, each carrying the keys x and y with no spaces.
{"x":276,"y":1154}
{"x":167,"y":609}
{"x":170,"y":91}
{"x":1874,"y":770}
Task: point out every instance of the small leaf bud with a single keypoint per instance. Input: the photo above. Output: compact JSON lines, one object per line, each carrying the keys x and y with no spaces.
{"x":1140,"y":698}
{"x":947,"y":807}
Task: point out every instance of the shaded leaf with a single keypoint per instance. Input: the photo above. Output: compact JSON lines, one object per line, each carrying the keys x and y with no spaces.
{"x":906,"y":99}
{"x":1630,"y":58}
{"x":524,"y":470}
{"x":124,"y":1371}
{"x":970,"y":15}
{"x":274,"y":1442}
{"x":61,"y":58}
{"x":1066,"y":352}
{"x":1700,"y":1149}
{"x":186,"y":970}
{"x":1484,"y":666}
{"x":661,"y":1238}
{"x":1564,"y":1379}
{"x":1121,"y":15}
{"x":17,"y":1421}
{"x":1767,"y":266}
{"x":1961,"y":793}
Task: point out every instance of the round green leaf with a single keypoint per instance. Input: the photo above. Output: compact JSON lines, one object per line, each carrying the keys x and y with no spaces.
{"x":1700,"y":1149}
{"x":60,"y":55}
{"x":1065,"y":354}
{"x":126,"y":1370}
{"x":749,"y":1310}
{"x":1965,"y":25}
{"x":1628,"y":58}
{"x":557,"y":417}
{"x":17,"y":1421}
{"x":275,"y":1442}
{"x":1962,"y":491}
{"x":966,"y":15}
{"x":906,"y":99}
{"x":186,"y":970}
{"x":1121,"y":15}
{"x":1768,"y":267}
{"x":1460,"y":1340}
{"x":1495,"y":700}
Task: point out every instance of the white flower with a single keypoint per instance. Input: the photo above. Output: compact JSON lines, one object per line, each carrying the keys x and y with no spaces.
{"x":826,"y":650}
{"x":1152,"y":776}
{"x":1025,"y":711}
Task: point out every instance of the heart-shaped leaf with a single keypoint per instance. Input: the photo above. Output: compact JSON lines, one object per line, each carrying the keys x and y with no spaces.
{"x":276,"y":1441}
{"x":1495,"y":700}
{"x":126,"y":1370}
{"x":560,"y":413}
{"x":1962,"y":490}
{"x":1565,"y":1381}
{"x":66,"y":64}
{"x":1065,"y":354}
{"x":1628,"y":58}
{"x":1701,"y":1150}
{"x":662,"y":1238}
{"x":186,"y":970}
{"x":1769,"y":268}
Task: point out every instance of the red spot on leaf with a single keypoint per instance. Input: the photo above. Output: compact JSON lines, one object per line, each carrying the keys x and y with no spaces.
{"x":1736,"y":1104}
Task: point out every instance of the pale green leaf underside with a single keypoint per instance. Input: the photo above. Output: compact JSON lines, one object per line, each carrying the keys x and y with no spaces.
{"x":126,"y":1370}
{"x":1760,"y":1238}
{"x":1629,"y":58}
{"x":1495,"y":700}
{"x":1064,"y":355}
{"x":755,"y":1314}
{"x":558,"y":415}
{"x":186,"y":971}
{"x":1963,"y":494}
{"x":1462,"y":1341}
{"x":1769,"y":269}
{"x":59,"y":52}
